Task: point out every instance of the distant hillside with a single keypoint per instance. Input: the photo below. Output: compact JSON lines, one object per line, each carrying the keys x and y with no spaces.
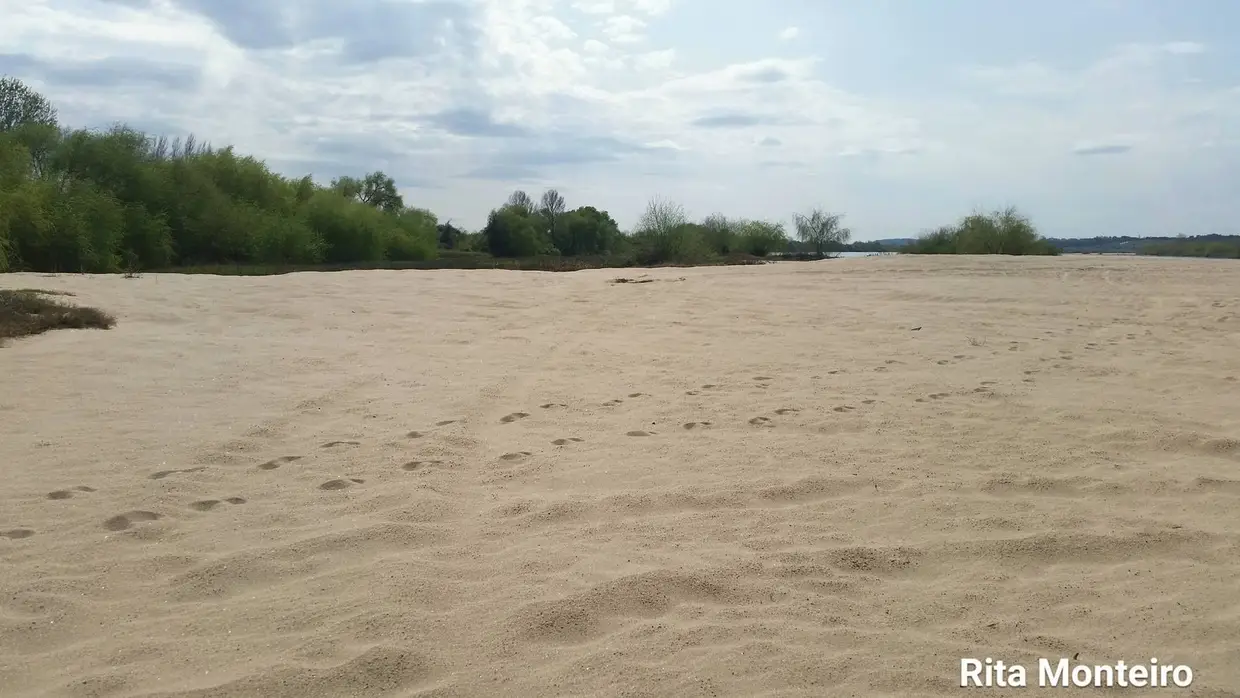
{"x":1227,"y":246}
{"x":1194,"y":246}
{"x":1101,"y":245}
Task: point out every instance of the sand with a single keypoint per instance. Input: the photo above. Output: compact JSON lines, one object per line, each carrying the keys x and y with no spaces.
{"x":726,"y":482}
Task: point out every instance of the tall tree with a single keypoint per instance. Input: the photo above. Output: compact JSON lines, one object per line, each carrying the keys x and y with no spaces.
{"x":661,"y":217}
{"x":520,"y":200}
{"x":375,"y":189}
{"x":822,"y":230}
{"x":552,"y":204}
{"x":20,"y":105}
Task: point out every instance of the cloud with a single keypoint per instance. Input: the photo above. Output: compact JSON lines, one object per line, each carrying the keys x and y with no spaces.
{"x":109,"y":70}
{"x":1183,"y":47}
{"x":612,"y":101}
{"x":731,"y":121}
{"x":1102,"y":149}
{"x":474,"y":123}
{"x":623,"y":29}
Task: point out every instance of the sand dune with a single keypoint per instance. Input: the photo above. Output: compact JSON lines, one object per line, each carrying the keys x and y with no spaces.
{"x":730,"y":481}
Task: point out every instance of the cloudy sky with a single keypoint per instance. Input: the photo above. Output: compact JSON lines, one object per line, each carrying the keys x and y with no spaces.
{"x":1096,"y":117}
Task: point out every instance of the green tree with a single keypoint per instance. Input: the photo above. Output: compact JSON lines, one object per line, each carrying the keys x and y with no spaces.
{"x":20,"y":105}
{"x":761,"y":238}
{"x":515,"y":231}
{"x":585,"y":231}
{"x":521,"y":201}
{"x":664,"y":234}
{"x":375,"y":189}
{"x":821,"y":229}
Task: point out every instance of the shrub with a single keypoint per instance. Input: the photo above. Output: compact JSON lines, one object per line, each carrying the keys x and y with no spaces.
{"x":29,"y":312}
{"x":1004,"y":231}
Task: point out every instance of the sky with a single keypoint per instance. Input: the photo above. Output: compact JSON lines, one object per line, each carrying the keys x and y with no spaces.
{"x":1093,"y":117}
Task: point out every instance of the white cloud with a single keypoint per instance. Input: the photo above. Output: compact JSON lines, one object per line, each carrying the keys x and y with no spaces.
{"x":654,"y":60}
{"x":623,"y":29}
{"x":1184,"y":47}
{"x":592,"y":96}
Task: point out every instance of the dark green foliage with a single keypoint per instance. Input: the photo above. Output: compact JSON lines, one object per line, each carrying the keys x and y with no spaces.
{"x":449,"y":236}
{"x":585,"y":231}
{"x":516,"y":231}
{"x":1000,"y":232}
{"x":1217,"y":246}
{"x":762,"y":238}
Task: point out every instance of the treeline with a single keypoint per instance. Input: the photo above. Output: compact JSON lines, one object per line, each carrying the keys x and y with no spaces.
{"x":76,"y":200}
{"x":106,"y":201}
{"x":1004,"y":231}
{"x":1220,"y":246}
{"x":122,"y":200}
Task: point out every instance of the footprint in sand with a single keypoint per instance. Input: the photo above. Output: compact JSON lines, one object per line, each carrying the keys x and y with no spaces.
{"x":333,"y":444}
{"x":333,"y":485}
{"x":519,"y":455}
{"x":934,"y":396}
{"x":550,"y":405}
{"x":120,"y":522}
{"x":420,"y":464}
{"x":277,"y":462}
{"x":843,"y":408}
{"x":694,"y":425}
{"x":510,"y":418}
{"x":165,"y":473}
{"x":66,"y":494}
{"x":761,"y":421}
{"x":786,"y":410}
{"x":870,"y":401}
{"x":16,"y":533}
{"x":209,"y":504}
{"x":636,"y":394}
{"x":613,"y":403}
{"x":565,"y":442}
{"x":638,"y":432}
{"x":445,"y":422}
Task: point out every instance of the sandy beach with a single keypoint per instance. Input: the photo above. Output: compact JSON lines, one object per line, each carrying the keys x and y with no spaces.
{"x":798,"y":479}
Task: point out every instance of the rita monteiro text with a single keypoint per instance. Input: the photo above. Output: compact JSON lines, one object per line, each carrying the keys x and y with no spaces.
{"x":1069,"y":673}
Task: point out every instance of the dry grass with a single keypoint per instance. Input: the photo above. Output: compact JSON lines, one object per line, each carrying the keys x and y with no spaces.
{"x":25,"y":312}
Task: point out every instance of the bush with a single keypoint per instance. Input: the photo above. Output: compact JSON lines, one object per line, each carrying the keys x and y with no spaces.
{"x":30,"y":312}
{"x":761,"y":238}
{"x":1000,"y":232}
